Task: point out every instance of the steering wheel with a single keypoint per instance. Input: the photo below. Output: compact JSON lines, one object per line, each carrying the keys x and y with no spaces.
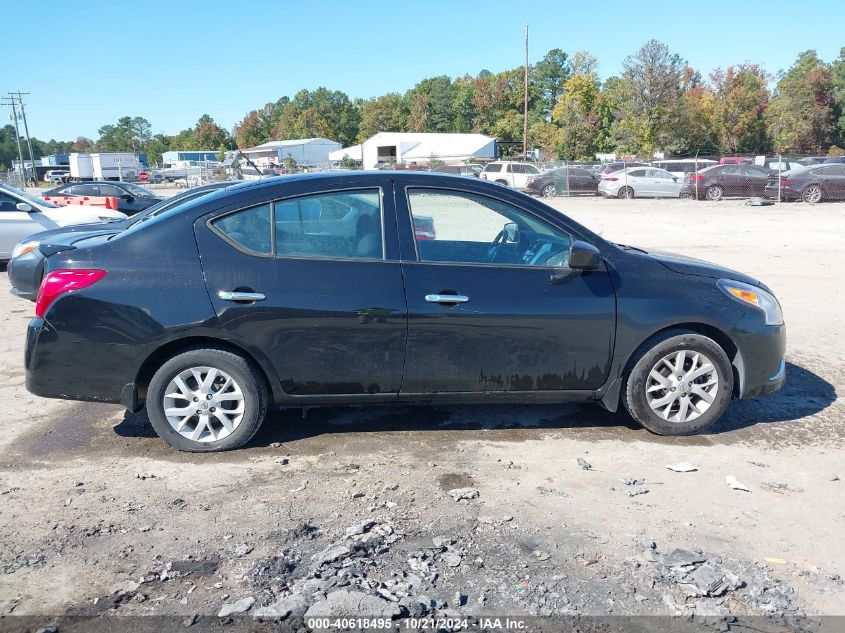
{"x":493,"y":251}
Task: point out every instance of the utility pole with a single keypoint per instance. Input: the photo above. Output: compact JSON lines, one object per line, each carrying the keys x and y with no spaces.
{"x":11,"y":102}
{"x":525,"y":111}
{"x":26,"y":131}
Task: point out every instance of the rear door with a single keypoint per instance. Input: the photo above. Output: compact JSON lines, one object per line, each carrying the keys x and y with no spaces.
{"x":832,"y":179}
{"x":732,"y":180}
{"x":756,"y":179}
{"x":664,"y":184}
{"x":312,"y":279}
{"x":484,"y":312}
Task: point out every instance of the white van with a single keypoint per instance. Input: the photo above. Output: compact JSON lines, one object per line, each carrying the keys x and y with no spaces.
{"x":683,"y":167}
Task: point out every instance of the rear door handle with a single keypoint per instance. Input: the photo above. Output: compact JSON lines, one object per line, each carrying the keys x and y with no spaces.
{"x":446,"y":298}
{"x":227,"y":295}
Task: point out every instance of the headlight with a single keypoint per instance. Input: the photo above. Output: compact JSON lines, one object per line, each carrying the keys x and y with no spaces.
{"x":757,"y":297}
{"x":23,"y":248}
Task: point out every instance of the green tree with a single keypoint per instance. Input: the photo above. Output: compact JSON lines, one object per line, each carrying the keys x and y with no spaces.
{"x":801,"y":115}
{"x":837,"y":78}
{"x":550,"y":75}
{"x":742,"y":96}
{"x":381,"y":114}
{"x":155,"y":147}
{"x":576,"y":114}
{"x":430,"y":105}
{"x":128,"y":135}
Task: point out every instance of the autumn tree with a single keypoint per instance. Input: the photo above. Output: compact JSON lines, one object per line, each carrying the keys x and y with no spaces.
{"x":742,"y":95}
{"x":381,"y":114}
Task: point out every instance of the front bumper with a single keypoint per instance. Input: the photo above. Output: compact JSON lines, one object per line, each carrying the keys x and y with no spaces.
{"x":760,"y":363}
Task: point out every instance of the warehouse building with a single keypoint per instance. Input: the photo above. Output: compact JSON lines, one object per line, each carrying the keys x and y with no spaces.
{"x":174,"y":156}
{"x":305,"y":151}
{"x":418,"y":148}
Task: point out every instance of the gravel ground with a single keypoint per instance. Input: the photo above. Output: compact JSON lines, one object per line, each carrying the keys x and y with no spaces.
{"x":462,"y":511}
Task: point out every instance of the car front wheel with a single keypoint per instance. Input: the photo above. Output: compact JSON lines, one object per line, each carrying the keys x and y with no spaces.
{"x":206,"y":400}
{"x":680,"y":385}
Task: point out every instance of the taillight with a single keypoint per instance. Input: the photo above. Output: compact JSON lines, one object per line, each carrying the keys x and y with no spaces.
{"x":696,"y":178}
{"x":785,"y":181}
{"x":58,"y":282}
{"x":609,"y":178}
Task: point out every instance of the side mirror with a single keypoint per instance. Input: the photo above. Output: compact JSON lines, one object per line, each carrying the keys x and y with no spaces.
{"x":584,"y":256}
{"x":511,"y":233}
{"x":23,"y":206}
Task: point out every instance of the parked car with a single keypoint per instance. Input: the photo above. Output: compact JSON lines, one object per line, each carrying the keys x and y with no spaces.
{"x":609,"y":168}
{"x":22,"y":215}
{"x":56,"y":175}
{"x":312,"y":290}
{"x":811,"y":184}
{"x":640,"y":182}
{"x":511,"y":173}
{"x":564,"y":181}
{"x":719,"y":181}
{"x":458,"y":170}
{"x":778,"y":164}
{"x":735,"y":160}
{"x":812,"y":160}
{"x":26,"y":266}
{"x":683,"y":167}
{"x":131,"y":198}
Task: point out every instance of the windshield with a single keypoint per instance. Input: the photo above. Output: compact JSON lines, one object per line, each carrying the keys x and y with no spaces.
{"x":23,"y":194}
{"x":138,"y":192}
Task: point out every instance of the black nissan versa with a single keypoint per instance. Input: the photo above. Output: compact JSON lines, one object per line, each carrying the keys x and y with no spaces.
{"x":316,"y":289}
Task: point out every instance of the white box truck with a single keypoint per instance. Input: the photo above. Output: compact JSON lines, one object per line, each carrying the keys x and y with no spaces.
{"x":81,"y":167}
{"x":116,"y":166}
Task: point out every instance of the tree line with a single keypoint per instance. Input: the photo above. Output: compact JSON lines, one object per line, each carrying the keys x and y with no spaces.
{"x":657,"y":103}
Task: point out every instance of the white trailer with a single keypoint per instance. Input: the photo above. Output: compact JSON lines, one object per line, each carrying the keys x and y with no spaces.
{"x":81,"y":167}
{"x":116,"y":166}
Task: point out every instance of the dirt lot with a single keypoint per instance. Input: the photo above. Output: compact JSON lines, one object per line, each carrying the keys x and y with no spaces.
{"x":100,"y":517}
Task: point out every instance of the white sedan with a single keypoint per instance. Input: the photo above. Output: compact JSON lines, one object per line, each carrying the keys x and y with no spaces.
{"x":22,"y":215}
{"x":640,"y":182}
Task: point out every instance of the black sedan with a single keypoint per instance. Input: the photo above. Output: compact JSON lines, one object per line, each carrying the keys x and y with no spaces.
{"x":26,"y":268}
{"x":131,"y":198}
{"x":565,"y":181}
{"x":315,"y":289}
{"x":721,"y":181}
{"x":811,"y":184}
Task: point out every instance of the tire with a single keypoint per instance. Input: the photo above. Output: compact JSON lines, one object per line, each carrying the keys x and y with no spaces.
{"x":549,"y":191}
{"x":625,"y":192}
{"x":247,"y":386}
{"x":812,"y":194}
{"x":645,"y":396}
{"x":714,"y":193}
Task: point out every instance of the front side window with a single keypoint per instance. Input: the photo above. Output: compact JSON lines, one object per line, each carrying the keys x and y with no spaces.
{"x":471,"y":229}
{"x":7,"y":202}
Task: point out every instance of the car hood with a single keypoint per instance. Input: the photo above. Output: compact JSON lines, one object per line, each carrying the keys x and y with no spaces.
{"x":692,"y":266}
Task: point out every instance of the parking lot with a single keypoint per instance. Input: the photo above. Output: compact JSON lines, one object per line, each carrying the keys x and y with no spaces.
{"x":100,"y":516}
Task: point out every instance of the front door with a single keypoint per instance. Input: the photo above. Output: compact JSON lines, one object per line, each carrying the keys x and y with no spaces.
{"x":314,"y":282}
{"x":492,"y":306}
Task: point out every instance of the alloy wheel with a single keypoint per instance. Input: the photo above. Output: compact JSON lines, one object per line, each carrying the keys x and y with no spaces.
{"x":714,"y":193}
{"x":549,"y":191}
{"x":681,"y":386}
{"x":812,"y":194}
{"x":203,"y":404}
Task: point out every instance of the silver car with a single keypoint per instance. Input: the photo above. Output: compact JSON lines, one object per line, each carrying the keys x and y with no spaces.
{"x":22,"y":215}
{"x":640,"y":182}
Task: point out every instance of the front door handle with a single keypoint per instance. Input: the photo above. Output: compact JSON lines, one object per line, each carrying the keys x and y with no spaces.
{"x":227,"y":295}
{"x":446,"y":298}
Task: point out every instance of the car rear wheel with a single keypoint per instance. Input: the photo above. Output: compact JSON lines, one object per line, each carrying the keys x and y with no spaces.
{"x":680,"y":384}
{"x":549,"y":191}
{"x":625,"y":192}
{"x":715,"y":193}
{"x":812,"y":194}
{"x":206,"y":400}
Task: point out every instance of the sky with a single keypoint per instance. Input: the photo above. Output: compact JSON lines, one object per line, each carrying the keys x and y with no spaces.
{"x":89,"y":62}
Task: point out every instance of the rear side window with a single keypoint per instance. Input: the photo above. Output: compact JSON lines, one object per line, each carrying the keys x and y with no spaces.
{"x":341,"y":225}
{"x":493,"y":167}
{"x":637,"y":173}
{"x":249,"y":229}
